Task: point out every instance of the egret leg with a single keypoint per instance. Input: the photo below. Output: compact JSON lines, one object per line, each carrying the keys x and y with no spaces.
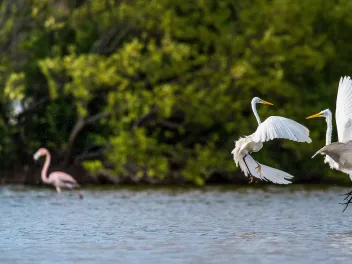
{"x":259,"y":168}
{"x":250,"y":174}
{"x":347,"y":195}
{"x":347,"y":203}
{"x":348,"y":200}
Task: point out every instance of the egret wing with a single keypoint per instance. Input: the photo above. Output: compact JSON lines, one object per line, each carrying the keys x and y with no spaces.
{"x":343,"y":113}
{"x":250,"y":167}
{"x":340,"y":152}
{"x":281,"y":127}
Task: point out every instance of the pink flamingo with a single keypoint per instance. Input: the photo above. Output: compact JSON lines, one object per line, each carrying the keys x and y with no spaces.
{"x":57,"y":178}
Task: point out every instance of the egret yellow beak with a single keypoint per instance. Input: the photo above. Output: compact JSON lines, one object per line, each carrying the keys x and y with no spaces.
{"x":265,"y":102}
{"x":316,"y":115}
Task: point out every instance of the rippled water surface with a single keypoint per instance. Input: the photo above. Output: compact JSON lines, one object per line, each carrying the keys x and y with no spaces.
{"x":293,"y":224}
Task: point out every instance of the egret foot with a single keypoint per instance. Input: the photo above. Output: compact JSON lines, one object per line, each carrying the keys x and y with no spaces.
{"x":348,"y":200}
{"x":348,"y":195}
{"x":259,"y":169}
{"x":251,"y":179}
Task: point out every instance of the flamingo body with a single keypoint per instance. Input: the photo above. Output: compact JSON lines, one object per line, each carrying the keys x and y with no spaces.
{"x":58,"y":179}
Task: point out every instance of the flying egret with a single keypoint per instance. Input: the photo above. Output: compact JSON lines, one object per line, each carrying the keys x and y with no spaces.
{"x":339,"y":155}
{"x":273,"y":127}
{"x":57,"y":178}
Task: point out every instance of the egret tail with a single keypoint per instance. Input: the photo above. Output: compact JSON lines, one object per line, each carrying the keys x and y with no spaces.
{"x":250,"y":167}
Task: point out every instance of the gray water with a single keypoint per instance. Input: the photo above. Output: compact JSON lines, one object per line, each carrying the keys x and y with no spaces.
{"x":292,"y":224}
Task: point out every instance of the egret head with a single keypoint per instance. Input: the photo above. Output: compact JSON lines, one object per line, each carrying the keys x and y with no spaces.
{"x":257,"y":100}
{"x":39,"y":153}
{"x":325,"y":113}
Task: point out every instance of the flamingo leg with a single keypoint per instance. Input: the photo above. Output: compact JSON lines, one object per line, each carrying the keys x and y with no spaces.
{"x":80,"y":195}
{"x":58,"y":190}
{"x":72,"y":188}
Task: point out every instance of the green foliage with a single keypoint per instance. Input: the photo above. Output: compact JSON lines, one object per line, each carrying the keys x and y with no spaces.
{"x":163,"y":88}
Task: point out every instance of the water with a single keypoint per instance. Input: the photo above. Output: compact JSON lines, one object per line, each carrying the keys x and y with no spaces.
{"x":293,"y":224}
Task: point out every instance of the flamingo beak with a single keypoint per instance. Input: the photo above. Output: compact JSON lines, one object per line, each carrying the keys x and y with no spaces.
{"x":37,"y":155}
{"x":265,"y":102}
{"x":320,"y":114}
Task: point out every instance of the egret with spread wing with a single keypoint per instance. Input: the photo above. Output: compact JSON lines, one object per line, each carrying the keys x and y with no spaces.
{"x":273,"y":127}
{"x":339,"y":155}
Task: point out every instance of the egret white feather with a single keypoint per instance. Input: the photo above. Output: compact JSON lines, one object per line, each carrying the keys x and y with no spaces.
{"x":271,"y":128}
{"x":343,"y":112}
{"x":281,"y":127}
{"x":267,"y":173}
{"x":343,"y":117}
{"x":339,"y":155}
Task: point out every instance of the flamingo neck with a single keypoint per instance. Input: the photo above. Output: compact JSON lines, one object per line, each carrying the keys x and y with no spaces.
{"x":328,"y":130}
{"x":45,"y":168}
{"x":254,"y":109}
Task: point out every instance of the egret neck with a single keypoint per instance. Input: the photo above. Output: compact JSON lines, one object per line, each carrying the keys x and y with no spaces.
{"x":329,"y":129}
{"x":254,"y":108}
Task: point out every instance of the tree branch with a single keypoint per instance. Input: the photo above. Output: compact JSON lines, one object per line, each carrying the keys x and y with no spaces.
{"x":94,"y":118}
{"x":80,"y":124}
{"x":88,"y":156}
{"x":168,"y":124}
{"x":145,"y":117}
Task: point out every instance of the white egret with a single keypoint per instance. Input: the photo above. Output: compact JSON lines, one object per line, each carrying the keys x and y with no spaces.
{"x":339,"y":155}
{"x":273,"y":127}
